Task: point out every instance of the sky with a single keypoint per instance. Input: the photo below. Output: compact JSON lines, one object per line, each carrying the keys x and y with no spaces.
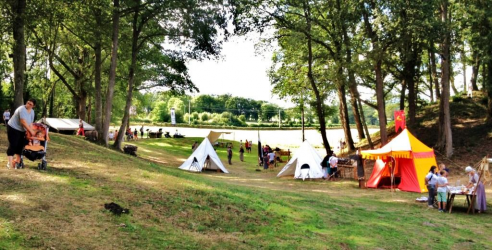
{"x":241,"y":72}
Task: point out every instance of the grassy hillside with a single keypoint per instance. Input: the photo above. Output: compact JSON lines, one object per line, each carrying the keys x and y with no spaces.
{"x":63,"y":207}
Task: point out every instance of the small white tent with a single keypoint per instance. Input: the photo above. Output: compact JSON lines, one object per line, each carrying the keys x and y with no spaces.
{"x":304,"y":164}
{"x":198,"y":160}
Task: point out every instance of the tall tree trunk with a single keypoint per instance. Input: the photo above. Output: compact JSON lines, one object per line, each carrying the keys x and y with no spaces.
{"x":378,"y":70}
{"x":432,"y":57}
{"x":52,"y":101}
{"x":368,"y":135}
{"x":411,"y":95}
{"x":131,"y":78}
{"x":431,"y":80}
{"x":475,"y":69}
{"x":112,"y":73}
{"x":380,"y":99}
{"x":319,"y":101}
{"x":97,"y":71}
{"x":403,"y":94}
{"x":488,"y":88}
{"x":19,"y":50}
{"x":463,"y":62}
{"x":354,"y":94}
{"x":445,"y":141}
{"x":344,"y":115}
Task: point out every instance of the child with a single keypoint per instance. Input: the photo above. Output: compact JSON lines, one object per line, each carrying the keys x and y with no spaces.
{"x":34,"y":142}
{"x":442,"y":183}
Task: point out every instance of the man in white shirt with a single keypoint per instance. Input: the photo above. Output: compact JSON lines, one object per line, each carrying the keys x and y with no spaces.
{"x":271,"y":157}
{"x":333,"y":168}
{"x":6,"y":116}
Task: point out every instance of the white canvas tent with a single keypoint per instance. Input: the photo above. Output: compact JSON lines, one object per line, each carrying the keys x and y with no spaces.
{"x":61,"y":124}
{"x":197,"y":160}
{"x":296,"y":166}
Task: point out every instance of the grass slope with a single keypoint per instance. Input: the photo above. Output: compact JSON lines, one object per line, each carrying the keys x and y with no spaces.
{"x":62,"y":208}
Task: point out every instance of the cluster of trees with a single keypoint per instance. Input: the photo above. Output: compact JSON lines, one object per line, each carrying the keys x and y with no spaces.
{"x":93,"y":57}
{"x":102,"y":51}
{"x":333,"y":48}
{"x":228,"y":110}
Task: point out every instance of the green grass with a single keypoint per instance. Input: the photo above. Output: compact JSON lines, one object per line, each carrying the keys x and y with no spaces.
{"x":62,"y":208}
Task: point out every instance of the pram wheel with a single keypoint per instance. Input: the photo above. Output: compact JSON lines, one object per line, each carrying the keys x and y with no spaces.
{"x":42,"y":165}
{"x":19,"y":165}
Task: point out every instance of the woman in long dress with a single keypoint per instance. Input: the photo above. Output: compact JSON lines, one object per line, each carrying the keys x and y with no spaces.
{"x":481,"y":201}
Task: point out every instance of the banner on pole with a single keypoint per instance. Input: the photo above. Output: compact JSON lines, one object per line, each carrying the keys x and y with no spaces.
{"x":173,"y":117}
{"x":400,"y":124}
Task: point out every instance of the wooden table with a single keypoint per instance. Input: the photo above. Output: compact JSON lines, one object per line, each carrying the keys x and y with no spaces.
{"x":470,"y":200}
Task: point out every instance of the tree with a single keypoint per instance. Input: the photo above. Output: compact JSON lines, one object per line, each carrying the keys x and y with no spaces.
{"x":18,"y":13}
{"x":190,"y":22}
{"x":112,"y":72}
{"x":445,"y":138}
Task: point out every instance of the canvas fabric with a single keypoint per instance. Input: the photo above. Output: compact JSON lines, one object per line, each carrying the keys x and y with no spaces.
{"x":304,"y":155}
{"x":204,"y":149}
{"x":413,"y":160}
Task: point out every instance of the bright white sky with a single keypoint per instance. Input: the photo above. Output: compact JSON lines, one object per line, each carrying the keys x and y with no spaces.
{"x":241,"y":73}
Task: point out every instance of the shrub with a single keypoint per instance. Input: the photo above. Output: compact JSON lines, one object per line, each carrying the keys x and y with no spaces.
{"x":457,"y":98}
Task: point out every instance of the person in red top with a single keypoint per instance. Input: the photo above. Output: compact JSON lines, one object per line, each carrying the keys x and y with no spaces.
{"x":81,"y":128}
{"x":246,"y":145}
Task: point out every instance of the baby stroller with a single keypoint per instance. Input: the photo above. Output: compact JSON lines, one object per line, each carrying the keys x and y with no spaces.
{"x":36,"y":146}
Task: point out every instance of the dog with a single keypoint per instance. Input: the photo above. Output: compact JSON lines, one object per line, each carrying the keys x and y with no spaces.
{"x":116,"y":209}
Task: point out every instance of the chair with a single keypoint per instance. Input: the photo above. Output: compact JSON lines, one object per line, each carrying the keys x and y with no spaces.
{"x":305,"y":171}
{"x":194,"y":164}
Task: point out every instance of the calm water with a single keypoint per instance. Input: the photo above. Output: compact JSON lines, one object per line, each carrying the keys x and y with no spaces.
{"x":280,"y":138}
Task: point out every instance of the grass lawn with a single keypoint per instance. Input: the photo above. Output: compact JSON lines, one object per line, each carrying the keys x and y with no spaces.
{"x":63,"y":207}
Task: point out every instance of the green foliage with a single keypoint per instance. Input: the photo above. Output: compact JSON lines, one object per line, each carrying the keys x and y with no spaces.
{"x":160,"y":112}
{"x":457,"y":98}
{"x":205,"y":116}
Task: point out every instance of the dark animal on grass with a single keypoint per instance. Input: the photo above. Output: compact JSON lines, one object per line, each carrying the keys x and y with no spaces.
{"x":116,"y":209}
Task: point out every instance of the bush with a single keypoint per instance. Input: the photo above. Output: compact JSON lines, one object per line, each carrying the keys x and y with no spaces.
{"x":457,"y":98}
{"x":205,"y":116}
{"x":484,"y":100}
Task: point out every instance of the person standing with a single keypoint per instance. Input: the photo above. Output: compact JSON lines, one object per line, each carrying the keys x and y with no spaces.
{"x":229,"y":155}
{"x":6,"y":116}
{"x":481,"y":200}
{"x":19,"y":123}
{"x":241,"y":153}
{"x":246,"y":144}
{"x":442,"y":188}
{"x":141,"y":132}
{"x":81,"y":128}
{"x":430,"y":182}
{"x":250,"y":145}
{"x":333,"y":167}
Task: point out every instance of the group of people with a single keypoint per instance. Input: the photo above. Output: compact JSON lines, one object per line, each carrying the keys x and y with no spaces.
{"x":329,"y":165}
{"x":437,"y":185}
{"x":130,"y":135}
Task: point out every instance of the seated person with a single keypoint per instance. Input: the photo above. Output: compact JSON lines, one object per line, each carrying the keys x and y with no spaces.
{"x":35,"y":141}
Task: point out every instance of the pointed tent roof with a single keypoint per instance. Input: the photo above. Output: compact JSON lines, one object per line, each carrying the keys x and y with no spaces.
{"x":213,"y":135}
{"x":204,"y":149}
{"x":402,"y":146}
{"x":304,"y":155}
